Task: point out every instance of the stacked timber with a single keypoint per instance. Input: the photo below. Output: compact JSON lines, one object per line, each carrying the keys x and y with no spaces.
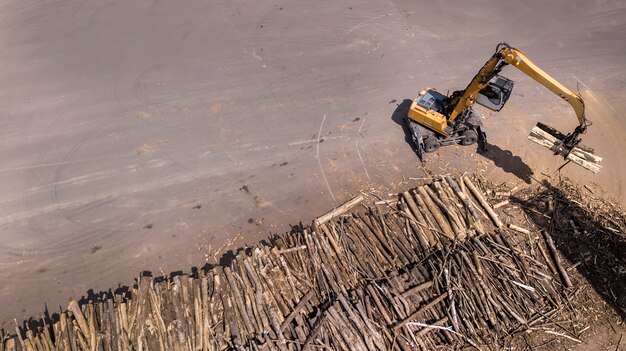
{"x":432,"y":267}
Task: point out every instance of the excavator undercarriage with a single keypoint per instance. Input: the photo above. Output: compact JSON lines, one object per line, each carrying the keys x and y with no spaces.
{"x":469,"y":131}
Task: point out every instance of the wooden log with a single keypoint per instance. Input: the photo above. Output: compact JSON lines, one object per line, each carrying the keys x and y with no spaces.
{"x":483,"y":202}
{"x":450,"y":193}
{"x":405,"y":240}
{"x":380,"y":248}
{"x":430,"y":220}
{"x":480,"y":287}
{"x":56,"y":334}
{"x":463,"y":197}
{"x":423,"y":309}
{"x":334,"y":264}
{"x":507,"y":306}
{"x":292,"y":249}
{"x":230,"y":318}
{"x":381,"y":308}
{"x":519,"y":229}
{"x":357,"y":248}
{"x":238,"y":300}
{"x":338,"y":211}
{"x":47,"y":337}
{"x":10,"y":345}
{"x":556,"y":259}
{"x":349,"y":335}
{"x":140,"y":310}
{"x":439,"y":322}
{"x":379,"y":220}
{"x":314,"y":331}
{"x":398,"y":240}
{"x":207,"y":332}
{"x":436,"y":213}
{"x":418,"y":288}
{"x":79,"y":338}
{"x":364,"y":310}
{"x":336,"y":334}
{"x":197,"y":314}
{"x":413,"y":249}
{"x":385,"y":243}
{"x":298,"y":309}
{"x":80,"y":318}
{"x":446,"y":194}
{"x":70,"y":334}
{"x":179,"y":325}
{"x":394,"y":287}
{"x":115,"y":326}
{"x":332,"y":280}
{"x":258,"y":293}
{"x":157,"y":317}
{"x":248,"y":293}
{"x":412,"y":211}
{"x":272,"y":290}
{"x":330,"y":234}
{"x":423,"y":222}
{"x":500,"y":204}
{"x":34,"y":341}
{"x":287,"y":273}
{"x":358,"y":325}
{"x":217,"y":303}
{"x":187,"y":298}
{"x":403,"y":253}
{"x":585,"y":159}
{"x":458,"y":226}
{"x":274,"y":322}
{"x":93,"y":337}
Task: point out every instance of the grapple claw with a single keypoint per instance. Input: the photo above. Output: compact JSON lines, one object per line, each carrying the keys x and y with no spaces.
{"x":566,"y":146}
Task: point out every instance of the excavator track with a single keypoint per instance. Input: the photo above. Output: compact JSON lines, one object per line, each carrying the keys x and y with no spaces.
{"x":426,"y":141}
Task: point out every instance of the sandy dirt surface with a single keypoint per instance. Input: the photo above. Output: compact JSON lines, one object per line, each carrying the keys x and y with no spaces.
{"x":154,"y":135}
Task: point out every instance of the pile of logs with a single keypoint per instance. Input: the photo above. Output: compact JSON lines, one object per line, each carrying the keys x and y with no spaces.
{"x":434,"y":266}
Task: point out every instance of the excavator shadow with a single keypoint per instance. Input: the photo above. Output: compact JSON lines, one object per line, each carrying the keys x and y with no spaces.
{"x":587,"y":240}
{"x":505,"y":160}
{"x":398,"y":116}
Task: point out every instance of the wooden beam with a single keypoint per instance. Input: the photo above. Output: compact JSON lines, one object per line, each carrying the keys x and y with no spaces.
{"x":338,"y":211}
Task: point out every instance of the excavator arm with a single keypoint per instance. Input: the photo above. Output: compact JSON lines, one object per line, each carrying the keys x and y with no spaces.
{"x":462,"y":100}
{"x":566,"y":145}
{"x":507,"y":55}
{"x":516,"y":58}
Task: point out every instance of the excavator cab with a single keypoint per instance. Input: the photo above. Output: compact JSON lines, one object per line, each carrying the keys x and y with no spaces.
{"x":496,"y":93}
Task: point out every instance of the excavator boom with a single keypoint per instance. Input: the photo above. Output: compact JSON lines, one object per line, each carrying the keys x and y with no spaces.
{"x":451,"y":117}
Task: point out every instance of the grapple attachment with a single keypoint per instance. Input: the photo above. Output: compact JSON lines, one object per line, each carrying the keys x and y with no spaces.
{"x":566,"y":146}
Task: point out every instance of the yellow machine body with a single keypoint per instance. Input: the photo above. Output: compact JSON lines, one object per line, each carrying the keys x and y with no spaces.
{"x":428,"y":117}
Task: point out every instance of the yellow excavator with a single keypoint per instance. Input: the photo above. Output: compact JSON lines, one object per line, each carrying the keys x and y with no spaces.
{"x":436,"y":120}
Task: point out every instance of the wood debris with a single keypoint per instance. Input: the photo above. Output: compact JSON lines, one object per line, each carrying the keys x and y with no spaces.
{"x":423,"y":271}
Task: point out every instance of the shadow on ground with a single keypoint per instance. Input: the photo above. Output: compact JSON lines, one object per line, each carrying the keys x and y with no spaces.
{"x":398,"y":116}
{"x":505,"y":160}
{"x":594,"y":238}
